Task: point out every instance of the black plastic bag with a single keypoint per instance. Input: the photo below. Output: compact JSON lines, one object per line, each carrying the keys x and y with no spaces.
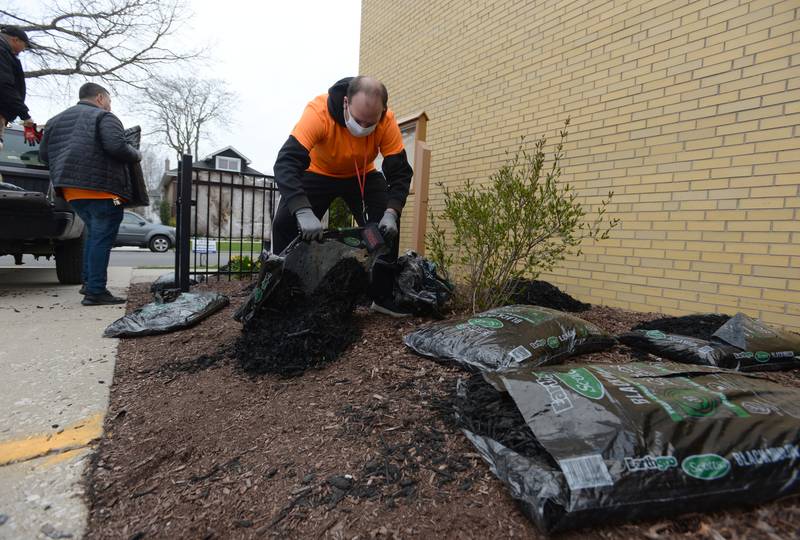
{"x":509,"y":336}
{"x":158,"y":318}
{"x":418,"y":288}
{"x":755,"y":336}
{"x":634,"y":441}
{"x":691,"y":350}
{"x":139,"y":195}
{"x":167,"y":281}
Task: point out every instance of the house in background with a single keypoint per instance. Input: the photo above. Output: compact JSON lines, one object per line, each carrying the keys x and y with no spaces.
{"x":688,"y":110}
{"x":232,"y":199}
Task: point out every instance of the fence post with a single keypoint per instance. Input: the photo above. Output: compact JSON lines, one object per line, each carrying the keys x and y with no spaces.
{"x":183,"y":222}
{"x":178,"y":238}
{"x":422,"y":172}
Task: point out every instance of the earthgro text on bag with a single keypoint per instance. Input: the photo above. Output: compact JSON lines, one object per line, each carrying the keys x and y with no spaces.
{"x":643,"y":440}
{"x":509,"y":336}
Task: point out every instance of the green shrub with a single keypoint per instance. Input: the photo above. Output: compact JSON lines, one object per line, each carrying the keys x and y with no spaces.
{"x":339,"y":216}
{"x":522,"y":224}
{"x":242,"y":265}
{"x":165,"y":211}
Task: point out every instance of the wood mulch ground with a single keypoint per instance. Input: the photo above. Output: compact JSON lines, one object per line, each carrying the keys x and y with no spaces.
{"x":362,"y":448}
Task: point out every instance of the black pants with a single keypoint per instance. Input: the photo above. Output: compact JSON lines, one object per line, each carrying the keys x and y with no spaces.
{"x":322,"y":191}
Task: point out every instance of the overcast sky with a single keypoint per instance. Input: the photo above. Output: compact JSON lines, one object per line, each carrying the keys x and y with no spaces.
{"x":275,"y":55}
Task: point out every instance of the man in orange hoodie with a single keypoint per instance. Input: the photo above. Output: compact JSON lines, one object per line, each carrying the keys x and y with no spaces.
{"x":331,"y":153}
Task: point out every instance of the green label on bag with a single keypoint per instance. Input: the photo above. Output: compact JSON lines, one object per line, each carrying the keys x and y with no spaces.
{"x":761,"y":356}
{"x":582,"y":381}
{"x":553,"y":342}
{"x":486,"y":322}
{"x":352,"y":242}
{"x":655,"y":334}
{"x":706,"y":466}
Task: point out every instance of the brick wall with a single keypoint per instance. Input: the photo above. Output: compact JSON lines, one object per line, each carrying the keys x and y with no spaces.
{"x":688,"y":110}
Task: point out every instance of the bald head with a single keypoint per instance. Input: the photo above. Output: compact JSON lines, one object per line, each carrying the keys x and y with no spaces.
{"x":367,"y":100}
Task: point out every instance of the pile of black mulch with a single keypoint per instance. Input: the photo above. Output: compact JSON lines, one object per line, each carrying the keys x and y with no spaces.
{"x":700,"y":326}
{"x":295,"y":331}
{"x":481,"y":409}
{"x":542,"y":293}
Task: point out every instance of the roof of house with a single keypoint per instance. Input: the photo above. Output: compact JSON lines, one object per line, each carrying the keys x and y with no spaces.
{"x":209,"y":164}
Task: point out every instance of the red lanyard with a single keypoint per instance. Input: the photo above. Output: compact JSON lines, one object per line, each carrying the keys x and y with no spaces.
{"x":362,"y":184}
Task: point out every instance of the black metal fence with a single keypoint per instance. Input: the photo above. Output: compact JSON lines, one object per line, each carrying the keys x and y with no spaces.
{"x":222,"y":224}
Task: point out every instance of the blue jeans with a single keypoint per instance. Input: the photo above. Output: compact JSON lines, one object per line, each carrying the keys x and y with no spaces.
{"x":102,"y":219}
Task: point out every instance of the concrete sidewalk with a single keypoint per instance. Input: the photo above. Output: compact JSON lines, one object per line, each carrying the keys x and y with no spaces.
{"x":57,"y":370}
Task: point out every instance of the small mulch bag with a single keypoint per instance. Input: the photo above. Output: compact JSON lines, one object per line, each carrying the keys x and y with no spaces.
{"x":690,"y":350}
{"x":753,"y":335}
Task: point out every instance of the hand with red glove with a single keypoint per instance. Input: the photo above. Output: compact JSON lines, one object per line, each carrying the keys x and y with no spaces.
{"x":29,"y":132}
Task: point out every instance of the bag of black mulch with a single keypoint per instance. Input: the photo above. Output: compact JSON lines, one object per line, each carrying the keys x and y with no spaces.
{"x":158,"y":318}
{"x":418,"y":288}
{"x":167,"y":281}
{"x":757,"y":337}
{"x":506,"y":337}
{"x":691,"y":350}
{"x":620,"y":442}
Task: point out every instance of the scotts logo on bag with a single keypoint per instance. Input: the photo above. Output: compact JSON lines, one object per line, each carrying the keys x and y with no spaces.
{"x":486,"y":322}
{"x":352,"y":242}
{"x":582,"y":381}
{"x":706,"y":466}
{"x":655,"y":334}
{"x":761,"y":356}
{"x":553,"y":342}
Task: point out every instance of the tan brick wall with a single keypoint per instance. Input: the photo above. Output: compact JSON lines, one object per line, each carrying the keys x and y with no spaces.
{"x":688,"y":110}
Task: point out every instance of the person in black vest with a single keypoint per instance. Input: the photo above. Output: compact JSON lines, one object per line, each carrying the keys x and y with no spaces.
{"x":12,"y":79}
{"x":88,"y":156}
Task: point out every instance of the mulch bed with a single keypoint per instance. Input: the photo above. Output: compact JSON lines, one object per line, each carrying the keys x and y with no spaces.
{"x":195,"y":447}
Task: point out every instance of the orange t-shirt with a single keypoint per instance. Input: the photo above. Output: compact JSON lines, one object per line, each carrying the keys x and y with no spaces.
{"x":334,"y":151}
{"x":71,"y":194}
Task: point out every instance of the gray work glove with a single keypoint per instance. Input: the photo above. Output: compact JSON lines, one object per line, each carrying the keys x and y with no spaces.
{"x":388,"y":224}
{"x":310,"y":227}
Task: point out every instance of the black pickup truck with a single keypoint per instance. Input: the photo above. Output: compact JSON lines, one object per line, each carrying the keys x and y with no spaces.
{"x":33,"y":219}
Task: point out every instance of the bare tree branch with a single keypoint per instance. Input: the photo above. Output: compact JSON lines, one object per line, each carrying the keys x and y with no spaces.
{"x":119,"y":41}
{"x":181,"y":109}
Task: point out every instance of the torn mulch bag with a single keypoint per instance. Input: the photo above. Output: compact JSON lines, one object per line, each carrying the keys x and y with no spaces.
{"x":691,"y":350}
{"x":509,"y":336}
{"x":268,"y":278}
{"x":310,"y":263}
{"x":418,"y":288}
{"x":158,"y":318}
{"x":633,"y":441}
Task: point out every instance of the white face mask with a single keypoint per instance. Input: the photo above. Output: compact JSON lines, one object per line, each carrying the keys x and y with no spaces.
{"x":355,"y":129}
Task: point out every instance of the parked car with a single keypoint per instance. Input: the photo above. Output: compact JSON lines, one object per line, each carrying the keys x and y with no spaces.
{"x":33,"y":218}
{"x":136,"y":231}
